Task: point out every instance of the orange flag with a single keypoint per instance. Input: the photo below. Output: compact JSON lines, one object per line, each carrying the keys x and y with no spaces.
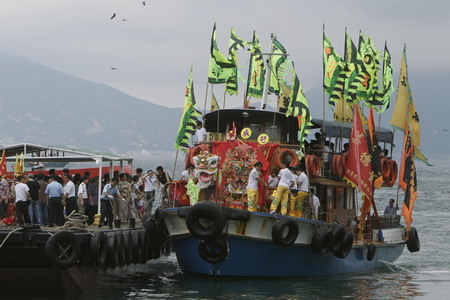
{"x":358,"y":171}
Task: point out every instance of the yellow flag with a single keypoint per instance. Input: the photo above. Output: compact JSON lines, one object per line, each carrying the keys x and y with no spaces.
{"x":283,"y":98}
{"x":343,"y":112}
{"x":214,"y":104}
{"x":405,"y":113}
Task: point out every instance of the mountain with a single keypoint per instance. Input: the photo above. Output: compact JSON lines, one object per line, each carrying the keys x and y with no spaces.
{"x":44,"y":106}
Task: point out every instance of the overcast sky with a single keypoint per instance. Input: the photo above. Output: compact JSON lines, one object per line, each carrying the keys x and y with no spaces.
{"x":154,"y":48}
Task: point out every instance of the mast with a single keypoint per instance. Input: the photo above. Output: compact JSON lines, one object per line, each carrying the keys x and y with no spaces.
{"x":268,"y":72}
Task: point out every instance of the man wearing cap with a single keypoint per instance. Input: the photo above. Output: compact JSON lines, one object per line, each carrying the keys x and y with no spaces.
{"x":34,"y":209}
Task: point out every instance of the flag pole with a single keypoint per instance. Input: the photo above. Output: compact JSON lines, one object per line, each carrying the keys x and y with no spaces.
{"x":268,"y":72}
{"x":206,"y":97}
{"x":323,"y":99}
{"x":224,"y":98}
{"x":175,"y":165}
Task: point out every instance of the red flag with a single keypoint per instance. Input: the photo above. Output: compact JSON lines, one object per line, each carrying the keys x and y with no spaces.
{"x":358,"y":171}
{"x":231,"y":135}
{"x":3,"y":165}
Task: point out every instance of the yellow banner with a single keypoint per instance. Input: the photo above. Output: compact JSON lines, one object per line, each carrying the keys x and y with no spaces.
{"x":402,"y":100}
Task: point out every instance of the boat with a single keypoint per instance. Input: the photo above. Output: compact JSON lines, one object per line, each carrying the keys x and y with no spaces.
{"x":219,"y":236}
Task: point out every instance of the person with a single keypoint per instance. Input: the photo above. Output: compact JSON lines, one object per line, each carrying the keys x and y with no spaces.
{"x":286,"y":181}
{"x":188,"y":173}
{"x":252,"y":187}
{"x":34,"y":209}
{"x":273,"y":179}
{"x":55,"y":193}
{"x":346,"y":148}
{"x":22,"y":196}
{"x":109,"y":192}
{"x":125,"y":193}
{"x":141,"y":202}
{"x":297,"y":202}
{"x":390,"y":210}
{"x":149,"y":182}
{"x":43,"y":198}
{"x":92,"y":203}
{"x":136,"y":193}
{"x":200,"y":133}
{"x":82,"y":194}
{"x":163,"y":178}
{"x":4,"y":196}
{"x":69,"y":194}
{"x":315,"y":203}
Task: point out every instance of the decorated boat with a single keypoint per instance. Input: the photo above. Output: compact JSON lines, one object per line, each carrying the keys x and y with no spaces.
{"x":213,"y":224}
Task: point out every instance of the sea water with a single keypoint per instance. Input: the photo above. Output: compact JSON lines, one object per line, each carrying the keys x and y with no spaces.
{"x":420,"y":275}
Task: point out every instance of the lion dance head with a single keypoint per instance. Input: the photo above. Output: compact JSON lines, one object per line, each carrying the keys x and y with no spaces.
{"x":205,"y":168}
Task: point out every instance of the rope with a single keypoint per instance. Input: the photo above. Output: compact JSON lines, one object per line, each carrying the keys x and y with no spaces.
{"x":9,"y":234}
{"x":75,"y":221}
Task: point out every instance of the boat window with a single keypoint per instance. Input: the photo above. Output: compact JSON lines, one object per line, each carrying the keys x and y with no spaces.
{"x":349,"y":201}
{"x":340,"y":198}
{"x":330,"y":198}
{"x":273,"y":131}
{"x":255,"y":130}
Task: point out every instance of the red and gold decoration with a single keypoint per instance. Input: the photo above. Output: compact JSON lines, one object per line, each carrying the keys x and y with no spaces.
{"x":236,"y":168}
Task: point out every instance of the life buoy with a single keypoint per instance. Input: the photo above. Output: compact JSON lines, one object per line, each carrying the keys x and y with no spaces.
{"x":112,"y":254}
{"x":205,"y":220}
{"x":312,"y":165}
{"x":413,"y":242}
{"x":338,"y":236}
{"x":63,"y":249}
{"x":347,"y":245}
{"x":386,"y":169}
{"x":193,"y":151}
{"x":338,"y":165}
{"x":135,"y":238}
{"x":97,"y":249}
{"x":213,"y":251}
{"x":280,"y":153}
{"x":322,"y":240}
{"x":393,"y":172}
{"x":371,"y":252}
{"x":237,"y":214}
{"x":277,"y":232}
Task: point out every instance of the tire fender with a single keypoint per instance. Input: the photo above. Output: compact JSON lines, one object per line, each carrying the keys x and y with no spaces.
{"x":413,"y":242}
{"x":344,"y":250}
{"x":98,"y":249}
{"x":322,"y":240}
{"x":278,"y":230}
{"x":63,"y":249}
{"x":213,"y":251}
{"x":212,"y":213}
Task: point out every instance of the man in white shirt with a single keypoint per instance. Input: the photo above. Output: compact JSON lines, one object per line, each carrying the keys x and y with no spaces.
{"x":285,"y":183}
{"x":273,"y":179}
{"x":200,"y":133}
{"x":69,"y":194}
{"x":22,"y":195}
{"x":252,"y":187}
{"x":297,"y":202}
{"x":82,"y":194}
{"x":188,"y":173}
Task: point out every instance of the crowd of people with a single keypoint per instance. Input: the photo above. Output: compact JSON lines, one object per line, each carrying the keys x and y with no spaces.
{"x":45,"y":200}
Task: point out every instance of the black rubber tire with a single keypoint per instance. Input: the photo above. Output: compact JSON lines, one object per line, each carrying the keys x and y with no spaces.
{"x":205,"y":210}
{"x":413,"y":242}
{"x":98,"y":249}
{"x":143,"y":245}
{"x":67,"y":241}
{"x":127,"y":247}
{"x":156,"y":232}
{"x":135,"y":237}
{"x":159,"y":216}
{"x":120,"y":248}
{"x":237,"y":214}
{"x":322,"y":240}
{"x":278,"y":230}
{"x":346,"y":247}
{"x":156,"y":251}
{"x":182,"y":211}
{"x":338,"y":236}
{"x":213,"y":251}
{"x":371,"y":252}
{"x":113,"y":254}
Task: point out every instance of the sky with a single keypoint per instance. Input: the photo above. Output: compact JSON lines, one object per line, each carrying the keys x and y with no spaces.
{"x":152,"y":46}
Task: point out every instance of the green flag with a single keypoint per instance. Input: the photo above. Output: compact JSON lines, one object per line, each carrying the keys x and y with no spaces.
{"x":298,"y":107}
{"x":276,"y":62}
{"x":235,"y":44}
{"x":188,"y":120}
{"x":382,"y":97}
{"x":353,"y":61}
{"x":255,"y":82}
{"x":220,"y":68}
{"x":332,"y":66}
{"x":364,"y":84}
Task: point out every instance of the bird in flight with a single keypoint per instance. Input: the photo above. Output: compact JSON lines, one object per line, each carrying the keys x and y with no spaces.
{"x":113,"y":16}
{"x":113,"y":68}
{"x":143,"y":2}
{"x":124,"y":20}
